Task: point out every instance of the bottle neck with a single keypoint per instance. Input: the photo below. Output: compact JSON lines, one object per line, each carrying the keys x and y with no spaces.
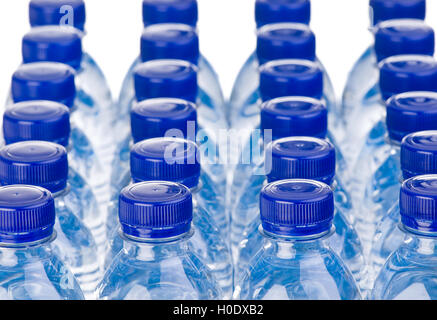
{"x":289,"y":247}
{"x":424,"y":243}
{"x":156,"y":249}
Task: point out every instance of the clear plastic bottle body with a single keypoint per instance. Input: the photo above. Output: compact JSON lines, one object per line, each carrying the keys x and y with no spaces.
{"x":410,"y":272}
{"x":75,"y":243}
{"x":388,"y":237}
{"x":245,"y":98}
{"x":207,"y":242}
{"x":344,"y":241}
{"x":211,"y":104}
{"x":296,"y":270}
{"x":33,"y":272}
{"x":373,"y":189}
{"x":158,"y":271}
{"x":362,"y":105}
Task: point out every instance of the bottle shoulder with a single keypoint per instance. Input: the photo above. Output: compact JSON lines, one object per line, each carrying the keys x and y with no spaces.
{"x":170,"y":276}
{"x":36,"y":273}
{"x":314,"y":272}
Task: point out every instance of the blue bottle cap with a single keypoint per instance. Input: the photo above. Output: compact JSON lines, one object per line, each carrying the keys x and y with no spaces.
{"x":52,"y":43}
{"x":170,"y":11}
{"x":166,"y":79}
{"x":406,"y":73}
{"x":397,"y":9}
{"x":170,"y":41}
{"x":290,"y":77}
{"x":162,"y":117}
{"x":27,"y":214}
{"x":301,"y":158}
{"x":418,"y":203}
{"x":155,"y":209}
{"x":166,"y":159}
{"x":44,"y":81}
{"x":285,"y":41}
{"x":37,"y":120}
{"x":296,"y":207}
{"x":419,"y":154}
{"x":57,"y":12}
{"x":294,"y":116}
{"x":410,"y":112}
{"x":274,"y":11}
{"x":403,"y":36}
{"x":37,"y":163}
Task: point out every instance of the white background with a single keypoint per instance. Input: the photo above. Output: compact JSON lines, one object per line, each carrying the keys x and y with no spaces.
{"x":226,"y":35}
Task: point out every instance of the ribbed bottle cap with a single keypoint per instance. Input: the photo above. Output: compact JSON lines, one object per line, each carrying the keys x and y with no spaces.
{"x":419,"y":154}
{"x":170,"y":41}
{"x":166,"y":159}
{"x":296,"y":207}
{"x":166,"y":79}
{"x":274,"y":11}
{"x":290,"y":77}
{"x":37,"y":120}
{"x":37,"y":163}
{"x":301,"y":158}
{"x":418,"y":203}
{"x":410,"y":112}
{"x":161,"y":117}
{"x":44,"y":81}
{"x":403,"y":36}
{"x":155,"y":209}
{"x":170,"y":11}
{"x":53,"y":43}
{"x":57,"y":12}
{"x":397,"y":9}
{"x":27,"y":214}
{"x":406,"y":73}
{"x":294,"y":116}
{"x":285,"y":41}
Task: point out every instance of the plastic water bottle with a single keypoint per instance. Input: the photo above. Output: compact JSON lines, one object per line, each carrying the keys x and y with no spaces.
{"x":54,"y":81}
{"x":61,"y":43}
{"x":296,"y":260}
{"x":30,"y":270}
{"x":274,"y":11}
{"x":297,"y":158}
{"x":181,"y":42}
{"x":283,"y":78}
{"x":409,"y":273}
{"x":397,"y":74}
{"x":170,"y":11}
{"x":393,"y":37}
{"x":418,"y":156}
{"x":274,"y":41}
{"x":177,"y":118}
{"x":45,"y":164}
{"x":178,"y":160}
{"x":157,"y":260}
{"x":382,"y":10}
{"x":379,"y":162}
{"x":50,"y":121}
{"x":280,"y":118}
{"x":178,"y":79}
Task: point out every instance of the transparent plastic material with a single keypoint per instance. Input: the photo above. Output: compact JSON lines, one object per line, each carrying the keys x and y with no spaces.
{"x":31,"y":271}
{"x":296,"y":269}
{"x":409,"y":272}
{"x":158,"y":270}
{"x":74,"y":242}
